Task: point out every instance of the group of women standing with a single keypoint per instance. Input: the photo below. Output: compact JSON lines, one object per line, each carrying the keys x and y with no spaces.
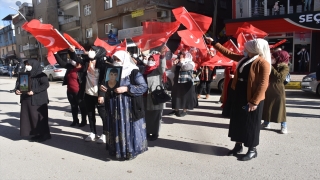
{"x":128,"y":114}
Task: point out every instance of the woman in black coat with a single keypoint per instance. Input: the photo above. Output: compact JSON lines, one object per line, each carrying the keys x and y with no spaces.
{"x":74,"y":79}
{"x":34,"y":104}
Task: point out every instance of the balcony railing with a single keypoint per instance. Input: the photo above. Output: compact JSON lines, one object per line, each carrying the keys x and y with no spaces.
{"x":68,"y":20}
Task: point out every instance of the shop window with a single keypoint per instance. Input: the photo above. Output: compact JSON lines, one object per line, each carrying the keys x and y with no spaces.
{"x":87,"y":10}
{"x":108,"y":4}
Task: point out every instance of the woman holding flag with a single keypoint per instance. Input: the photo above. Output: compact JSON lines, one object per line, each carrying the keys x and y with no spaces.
{"x":250,"y":84}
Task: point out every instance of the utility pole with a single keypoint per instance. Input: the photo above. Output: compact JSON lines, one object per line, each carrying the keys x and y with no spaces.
{"x":214,"y":18}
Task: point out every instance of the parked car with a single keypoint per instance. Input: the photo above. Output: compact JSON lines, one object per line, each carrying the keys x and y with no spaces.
{"x":3,"y":69}
{"x":310,"y":84}
{"x":54,"y":72}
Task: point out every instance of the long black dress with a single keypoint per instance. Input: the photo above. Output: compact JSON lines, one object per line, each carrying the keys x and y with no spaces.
{"x":182,"y":93}
{"x":244,"y":126}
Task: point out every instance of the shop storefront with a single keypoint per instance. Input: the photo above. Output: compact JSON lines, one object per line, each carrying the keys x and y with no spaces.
{"x":302,"y":31}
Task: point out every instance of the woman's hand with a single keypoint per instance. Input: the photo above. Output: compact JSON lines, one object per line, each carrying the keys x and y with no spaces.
{"x":100,"y":100}
{"x":175,"y":62}
{"x":18,"y":92}
{"x":103,"y":88}
{"x":252,"y":107}
{"x":72,"y":48}
{"x":30,"y":93}
{"x":121,"y":90}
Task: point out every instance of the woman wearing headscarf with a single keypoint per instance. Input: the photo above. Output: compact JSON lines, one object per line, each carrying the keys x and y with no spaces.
{"x":250,"y":84}
{"x":34,"y":104}
{"x":183,"y":91}
{"x":153,"y":74}
{"x":89,"y":92}
{"x":74,"y":79}
{"x":126,"y":127}
{"x":275,"y":104}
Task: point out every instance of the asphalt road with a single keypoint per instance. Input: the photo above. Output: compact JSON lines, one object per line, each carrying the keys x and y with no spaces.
{"x":192,"y":147}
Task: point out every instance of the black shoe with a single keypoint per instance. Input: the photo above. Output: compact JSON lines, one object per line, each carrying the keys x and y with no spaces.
{"x":173,"y":113}
{"x":74,"y":123}
{"x":83,"y":123}
{"x":44,"y":137}
{"x":35,"y":138}
{"x":154,"y":137}
{"x":182,"y":114}
{"x":236,"y":150}
{"x":252,"y":153}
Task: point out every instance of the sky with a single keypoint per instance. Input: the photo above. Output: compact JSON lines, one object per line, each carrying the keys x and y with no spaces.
{"x":5,"y":10}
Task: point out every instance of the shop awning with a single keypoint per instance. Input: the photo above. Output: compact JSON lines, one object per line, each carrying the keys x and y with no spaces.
{"x":286,"y":23}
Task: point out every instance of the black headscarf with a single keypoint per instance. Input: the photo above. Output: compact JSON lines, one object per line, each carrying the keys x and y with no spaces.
{"x":36,"y":67}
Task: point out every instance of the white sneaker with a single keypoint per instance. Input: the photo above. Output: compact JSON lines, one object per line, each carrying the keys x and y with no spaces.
{"x":102,"y":139}
{"x":266,"y":126}
{"x":91,"y":137}
{"x":284,"y":130}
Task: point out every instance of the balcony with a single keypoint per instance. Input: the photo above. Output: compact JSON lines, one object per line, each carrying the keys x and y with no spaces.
{"x":29,"y":47}
{"x":30,"y":52}
{"x":67,"y":3}
{"x":69,"y":24}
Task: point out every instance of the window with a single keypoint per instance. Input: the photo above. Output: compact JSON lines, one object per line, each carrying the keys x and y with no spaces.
{"x":12,"y":48}
{"x":87,"y":10}
{"x":19,"y":30}
{"x":108,"y":4}
{"x":38,"y":1}
{"x":40,"y":19}
{"x":89,"y":33}
{"x":9,"y":36}
{"x":2,"y":51}
{"x":0,"y":38}
{"x":20,"y":48}
{"x":107,"y":28}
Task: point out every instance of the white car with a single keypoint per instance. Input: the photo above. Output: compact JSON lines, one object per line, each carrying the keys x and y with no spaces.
{"x":3,"y":69}
{"x":310,"y":84}
{"x":54,"y":72}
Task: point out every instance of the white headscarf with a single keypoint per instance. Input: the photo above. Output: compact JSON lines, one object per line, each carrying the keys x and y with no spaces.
{"x":260,"y":47}
{"x":127,"y":64}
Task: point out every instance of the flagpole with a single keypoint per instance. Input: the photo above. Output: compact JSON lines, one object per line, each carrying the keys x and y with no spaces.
{"x":28,"y":37}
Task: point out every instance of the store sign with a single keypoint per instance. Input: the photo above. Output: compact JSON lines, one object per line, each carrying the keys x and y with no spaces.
{"x":308,"y":20}
{"x":130,"y":32}
{"x":137,"y":13}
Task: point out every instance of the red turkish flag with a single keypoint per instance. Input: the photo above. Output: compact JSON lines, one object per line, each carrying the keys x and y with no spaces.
{"x":188,"y":38}
{"x":155,"y":34}
{"x":120,"y":47}
{"x":241,"y":40}
{"x":106,"y":46}
{"x":250,"y":32}
{"x":73,"y":41}
{"x":47,"y":36}
{"x":197,"y":23}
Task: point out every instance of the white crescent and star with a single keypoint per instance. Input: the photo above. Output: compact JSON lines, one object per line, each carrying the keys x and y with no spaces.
{"x":198,"y":40}
{"x":51,"y":39}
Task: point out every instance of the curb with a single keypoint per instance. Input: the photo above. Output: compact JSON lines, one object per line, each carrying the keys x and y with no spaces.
{"x":293,"y":85}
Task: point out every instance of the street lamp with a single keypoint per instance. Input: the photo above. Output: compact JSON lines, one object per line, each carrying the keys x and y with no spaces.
{"x":27,"y":21}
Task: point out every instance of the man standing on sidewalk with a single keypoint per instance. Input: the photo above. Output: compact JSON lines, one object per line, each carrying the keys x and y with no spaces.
{"x":303,"y":59}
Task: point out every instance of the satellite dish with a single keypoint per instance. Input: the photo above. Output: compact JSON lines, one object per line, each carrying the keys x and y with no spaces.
{"x":18,"y":3}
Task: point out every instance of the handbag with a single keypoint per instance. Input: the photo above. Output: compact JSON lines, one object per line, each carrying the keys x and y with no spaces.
{"x":159,"y":96}
{"x":287,"y":80}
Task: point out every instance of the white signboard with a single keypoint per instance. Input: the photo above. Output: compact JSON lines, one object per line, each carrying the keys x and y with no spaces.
{"x":130,"y":32}
{"x":119,"y":2}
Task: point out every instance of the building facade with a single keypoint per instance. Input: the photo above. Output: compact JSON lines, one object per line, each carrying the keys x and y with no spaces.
{"x":8,"y":39}
{"x":295,"y":21}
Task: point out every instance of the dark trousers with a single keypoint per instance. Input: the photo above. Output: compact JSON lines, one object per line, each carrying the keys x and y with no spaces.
{"x":302,"y":66}
{"x":75,"y":105}
{"x":204,"y":85}
{"x":91,"y":104}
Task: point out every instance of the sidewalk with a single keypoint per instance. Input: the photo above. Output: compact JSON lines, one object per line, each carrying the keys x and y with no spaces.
{"x":295,"y":82}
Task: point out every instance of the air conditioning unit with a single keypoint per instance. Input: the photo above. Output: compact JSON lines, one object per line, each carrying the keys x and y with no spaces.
{"x":162,"y":14}
{"x":60,"y":13}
